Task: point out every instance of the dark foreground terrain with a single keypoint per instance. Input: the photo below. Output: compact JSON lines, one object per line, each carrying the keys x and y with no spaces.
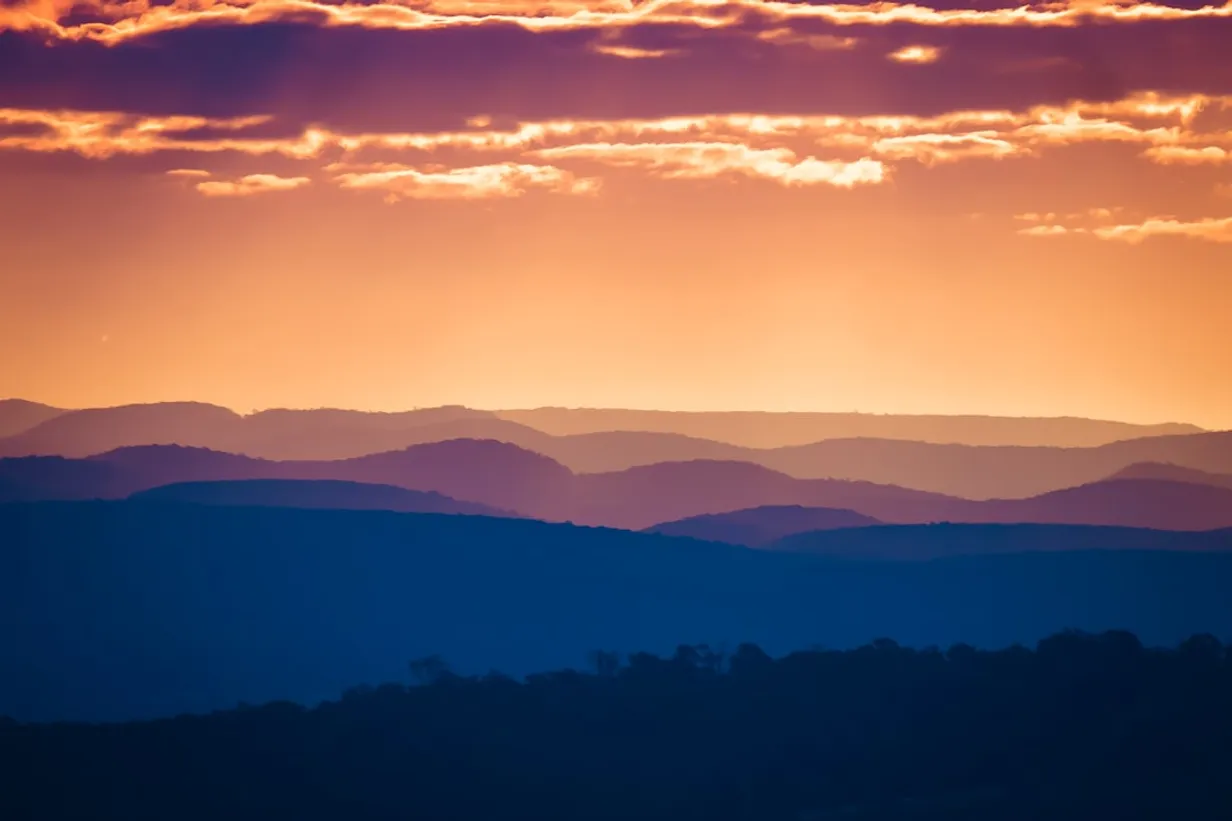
{"x":1084,"y":727}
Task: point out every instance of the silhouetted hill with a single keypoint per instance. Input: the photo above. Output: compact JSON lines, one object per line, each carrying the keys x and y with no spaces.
{"x":772,"y":430}
{"x":991,"y":472}
{"x":81,"y":433}
{"x":17,"y":415}
{"x":1126,"y":502}
{"x":645,"y":496}
{"x":1173,"y":473}
{"x":320,"y":493}
{"x":493,"y":473}
{"x":923,"y":542}
{"x":957,"y":470}
{"x":760,"y":526}
{"x":335,"y":434}
{"x":35,"y":478}
{"x":124,"y":609}
{"x":1082,"y":727}
{"x":503,"y":476}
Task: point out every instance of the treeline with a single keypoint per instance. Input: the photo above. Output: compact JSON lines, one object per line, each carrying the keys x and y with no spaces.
{"x":1083,"y":727}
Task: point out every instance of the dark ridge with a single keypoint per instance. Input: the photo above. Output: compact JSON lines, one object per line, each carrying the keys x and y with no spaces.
{"x":1082,"y":727}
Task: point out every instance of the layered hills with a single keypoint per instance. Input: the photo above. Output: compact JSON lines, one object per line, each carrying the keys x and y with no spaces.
{"x":130,"y":609}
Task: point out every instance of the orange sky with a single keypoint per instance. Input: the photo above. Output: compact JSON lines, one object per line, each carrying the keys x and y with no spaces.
{"x":353,"y":241}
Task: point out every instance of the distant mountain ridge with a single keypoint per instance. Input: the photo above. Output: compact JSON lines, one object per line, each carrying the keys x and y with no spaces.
{"x":763,"y":429}
{"x":982,"y":472}
{"x":508,"y":478}
{"x":331,"y":433}
{"x":18,"y":415}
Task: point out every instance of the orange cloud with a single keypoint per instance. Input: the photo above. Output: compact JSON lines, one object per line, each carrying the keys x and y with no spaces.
{"x":103,"y":134}
{"x":499,"y":180}
{"x":250,"y":185}
{"x":785,"y":36}
{"x":788,"y":149}
{"x":931,"y":149}
{"x":119,"y":21}
{"x":1049,"y":230}
{"x":632,"y":52}
{"x":1186,"y":155}
{"x":707,"y":160}
{"x":187,"y":172}
{"x":1212,"y":229}
{"x":916,"y":54}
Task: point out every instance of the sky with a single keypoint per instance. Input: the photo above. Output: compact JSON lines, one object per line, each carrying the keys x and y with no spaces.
{"x":706,"y":204}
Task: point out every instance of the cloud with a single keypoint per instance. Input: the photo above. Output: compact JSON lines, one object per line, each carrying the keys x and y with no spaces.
{"x":495,"y":181}
{"x":187,"y":172}
{"x":931,"y":149}
{"x":1186,"y":155}
{"x":112,"y":22}
{"x":919,"y":55}
{"x":1212,"y":229}
{"x":787,"y":36}
{"x":709,"y":160}
{"x":793,"y":150}
{"x":1049,"y":231}
{"x":632,"y":52}
{"x":250,"y":185}
{"x":104,"y":134}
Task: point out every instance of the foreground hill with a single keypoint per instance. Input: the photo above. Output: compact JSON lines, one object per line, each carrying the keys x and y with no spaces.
{"x":321,"y":493}
{"x":1082,"y":727}
{"x":503,"y":476}
{"x":128,"y":609}
{"x":761,"y":526}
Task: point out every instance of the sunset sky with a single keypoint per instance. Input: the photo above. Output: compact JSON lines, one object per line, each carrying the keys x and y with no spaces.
{"x":705,"y":204}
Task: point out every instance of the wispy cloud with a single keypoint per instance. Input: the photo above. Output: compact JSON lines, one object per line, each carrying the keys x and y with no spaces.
{"x":1188,"y":155}
{"x":495,"y":181}
{"x":1161,"y":124}
{"x":787,"y":36}
{"x":920,"y":55}
{"x":1211,"y":229}
{"x":792,"y":150}
{"x":250,"y":185}
{"x":708,"y":160}
{"x":113,"y":22}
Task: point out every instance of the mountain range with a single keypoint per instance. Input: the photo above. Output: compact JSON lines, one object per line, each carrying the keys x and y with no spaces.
{"x":970,"y":471}
{"x":129,"y":609}
{"x":507,"y":478}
